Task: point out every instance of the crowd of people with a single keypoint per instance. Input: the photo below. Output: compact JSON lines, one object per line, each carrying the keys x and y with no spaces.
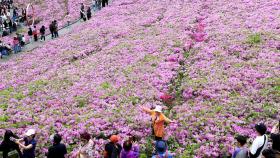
{"x":9,"y":22}
{"x":26,"y":146}
{"x":259,"y":147}
{"x":10,"y":19}
{"x":130,"y":149}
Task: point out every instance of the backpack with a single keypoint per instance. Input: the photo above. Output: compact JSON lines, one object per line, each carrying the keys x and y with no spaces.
{"x":115,"y":152}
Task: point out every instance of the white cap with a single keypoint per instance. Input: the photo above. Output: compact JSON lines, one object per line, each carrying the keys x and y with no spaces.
{"x":158,"y":108}
{"x":30,"y":132}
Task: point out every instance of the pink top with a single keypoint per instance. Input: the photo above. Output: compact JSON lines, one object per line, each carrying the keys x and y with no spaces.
{"x":87,"y":150}
{"x":15,"y":42}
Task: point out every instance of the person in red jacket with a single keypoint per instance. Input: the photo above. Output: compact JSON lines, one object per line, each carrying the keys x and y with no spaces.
{"x":35,"y":34}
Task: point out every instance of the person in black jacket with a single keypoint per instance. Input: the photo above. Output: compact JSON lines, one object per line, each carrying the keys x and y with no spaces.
{"x":58,"y":150}
{"x":14,"y":26}
{"x":113,"y":148}
{"x":10,"y":26}
{"x":8,"y":144}
{"x":104,"y":3}
{"x":88,"y":13}
{"x":5,"y":24}
{"x":82,"y":12}
{"x":51,"y":27}
{"x":55,"y":26}
{"x":42,"y":32}
{"x":275,"y":137}
{"x":30,"y":33}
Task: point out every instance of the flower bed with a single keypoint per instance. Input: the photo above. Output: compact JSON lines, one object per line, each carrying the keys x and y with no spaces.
{"x":213,"y":61}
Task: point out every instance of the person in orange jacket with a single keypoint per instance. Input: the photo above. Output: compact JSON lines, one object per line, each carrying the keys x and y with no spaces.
{"x":158,"y":120}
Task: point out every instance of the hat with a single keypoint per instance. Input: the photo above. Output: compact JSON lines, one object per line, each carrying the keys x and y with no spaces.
{"x":30,"y":132}
{"x":161,"y":146}
{"x":114,"y":138}
{"x":261,"y":128}
{"x":158,"y":108}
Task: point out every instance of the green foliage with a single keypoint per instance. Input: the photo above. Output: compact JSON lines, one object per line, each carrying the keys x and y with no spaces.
{"x":173,"y":144}
{"x":269,"y":110}
{"x":143,"y":156}
{"x":149,"y":147}
{"x":190,"y":150}
{"x":19,"y":96}
{"x":154,"y":65}
{"x":149,"y":58}
{"x":6,"y":92}
{"x":70,"y":148}
{"x":187,"y":54}
{"x":277,"y":88}
{"x":105,"y":85}
{"x":177,"y":43}
{"x":81,"y":101}
{"x":234,"y":94}
{"x":218,"y":108}
{"x":254,"y":39}
{"x":4,"y":118}
{"x":36,"y":86}
{"x":21,"y":124}
{"x":251,"y":116}
{"x":4,"y":106}
{"x":238,"y":65}
{"x":134,"y":100}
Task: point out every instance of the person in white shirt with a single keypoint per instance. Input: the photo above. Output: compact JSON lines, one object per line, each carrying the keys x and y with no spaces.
{"x":260,"y":142}
{"x":4,"y":17}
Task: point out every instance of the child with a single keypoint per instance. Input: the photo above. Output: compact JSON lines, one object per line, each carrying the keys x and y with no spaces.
{"x":241,"y":151}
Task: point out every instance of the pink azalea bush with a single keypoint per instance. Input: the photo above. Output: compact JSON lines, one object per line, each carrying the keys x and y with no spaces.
{"x":218,"y":60}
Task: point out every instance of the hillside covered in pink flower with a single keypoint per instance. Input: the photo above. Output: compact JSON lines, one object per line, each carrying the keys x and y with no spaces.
{"x":213,"y":64}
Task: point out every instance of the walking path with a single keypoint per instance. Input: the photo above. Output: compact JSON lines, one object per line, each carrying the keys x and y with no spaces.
{"x":62,"y":31}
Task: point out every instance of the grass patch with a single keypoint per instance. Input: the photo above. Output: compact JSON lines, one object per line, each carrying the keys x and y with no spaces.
{"x":81,"y":101}
{"x":254,"y":38}
{"x":105,"y":85}
{"x":4,"y":106}
{"x":4,"y":118}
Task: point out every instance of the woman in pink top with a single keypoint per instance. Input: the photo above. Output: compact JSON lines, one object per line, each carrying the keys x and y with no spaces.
{"x":86,"y":151}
